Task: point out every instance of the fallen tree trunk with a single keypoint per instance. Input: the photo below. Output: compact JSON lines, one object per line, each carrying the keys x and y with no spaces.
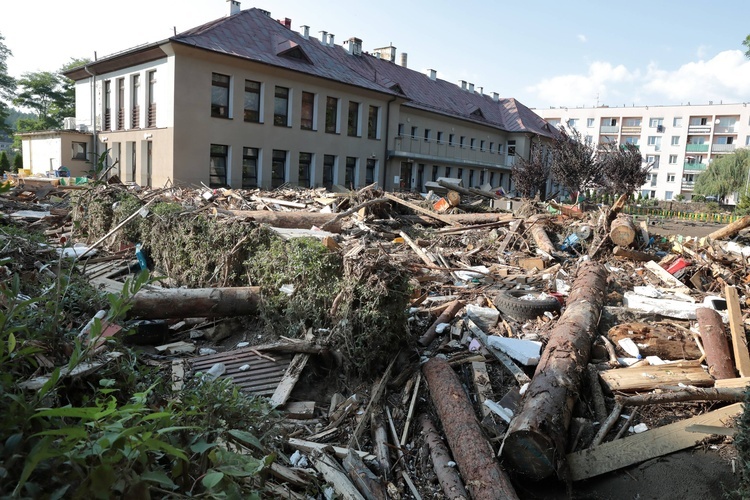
{"x":536,"y":439}
{"x":622,"y":231}
{"x":715,"y":343}
{"x":168,"y":303}
{"x":727,"y":394}
{"x":478,"y":218}
{"x":294,"y":220}
{"x":731,"y":229}
{"x":482,"y":474}
{"x":448,"y":314}
{"x":536,"y":228}
{"x":449,"y":478}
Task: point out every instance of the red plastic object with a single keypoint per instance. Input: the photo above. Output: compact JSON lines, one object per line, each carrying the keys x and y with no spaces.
{"x":678,"y":265}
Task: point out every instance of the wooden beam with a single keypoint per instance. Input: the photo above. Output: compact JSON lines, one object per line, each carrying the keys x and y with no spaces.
{"x":737,"y":327}
{"x":667,"y":278}
{"x":646,"y":378}
{"x":417,"y":208}
{"x":657,"y":442}
{"x":285,"y":387}
{"x":482,"y":384}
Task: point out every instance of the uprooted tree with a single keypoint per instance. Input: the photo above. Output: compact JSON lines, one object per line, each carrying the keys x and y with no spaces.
{"x":574,"y":164}
{"x":529,"y":176}
{"x":622,"y":167}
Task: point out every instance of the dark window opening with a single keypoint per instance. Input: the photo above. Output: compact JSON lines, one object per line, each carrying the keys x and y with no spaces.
{"x":217,"y":171}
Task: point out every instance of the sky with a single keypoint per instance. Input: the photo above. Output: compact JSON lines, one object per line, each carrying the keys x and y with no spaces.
{"x":577,"y":53}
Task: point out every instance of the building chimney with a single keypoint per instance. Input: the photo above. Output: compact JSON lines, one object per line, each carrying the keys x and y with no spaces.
{"x":287,"y":23}
{"x":323,"y":37}
{"x":433,"y":75}
{"x":403,"y":59}
{"x":496,"y":97}
{"x":330,"y":40}
{"x":305,"y":32}
{"x":388,"y":53}
{"x":355,"y":46}
{"x":471,"y":88}
{"x":480,"y":90}
{"x":234,"y":7}
{"x":463,"y":84}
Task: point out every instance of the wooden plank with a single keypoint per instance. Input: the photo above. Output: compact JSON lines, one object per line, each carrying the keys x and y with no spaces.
{"x":737,"y":327}
{"x":421,"y":210}
{"x":646,"y":378}
{"x":733,"y":382}
{"x":284,"y":390}
{"x":508,"y":363}
{"x":667,"y":278}
{"x":178,"y":374}
{"x":308,"y":446}
{"x":512,"y":231}
{"x":300,"y":409}
{"x":637,"y":448}
{"x":482,"y":383}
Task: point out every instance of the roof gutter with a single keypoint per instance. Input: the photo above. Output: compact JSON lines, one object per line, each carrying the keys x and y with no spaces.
{"x":93,"y":114}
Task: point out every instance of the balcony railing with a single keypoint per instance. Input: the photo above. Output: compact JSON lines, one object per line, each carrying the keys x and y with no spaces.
{"x":697,"y":148}
{"x":631,"y":130}
{"x":699,"y":129}
{"x":698,"y":167}
{"x":722,"y":148}
{"x":725,"y":130}
{"x":433,"y":150}
{"x":609,"y":129}
{"x":688,"y":185}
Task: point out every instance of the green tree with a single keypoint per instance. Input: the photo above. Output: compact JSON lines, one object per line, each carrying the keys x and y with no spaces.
{"x":4,"y":163}
{"x":7,"y":85}
{"x":67,"y":106}
{"x":746,"y":43}
{"x":725,"y":175}
{"x":40,"y":92}
{"x":18,"y":162}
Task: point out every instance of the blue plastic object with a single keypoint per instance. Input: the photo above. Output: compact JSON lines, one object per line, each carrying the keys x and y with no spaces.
{"x":141,"y":257}
{"x":570,"y":242}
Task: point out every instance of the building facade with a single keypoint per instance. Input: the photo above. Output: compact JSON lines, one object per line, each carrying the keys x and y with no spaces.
{"x":679,"y":142}
{"x":245,"y":101}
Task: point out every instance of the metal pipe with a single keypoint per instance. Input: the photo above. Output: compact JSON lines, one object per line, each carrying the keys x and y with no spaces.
{"x":385,"y":142}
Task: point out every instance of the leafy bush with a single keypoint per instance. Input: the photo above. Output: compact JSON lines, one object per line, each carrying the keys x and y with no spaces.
{"x":712,"y":207}
{"x":679,"y":197}
{"x":4,"y":163}
{"x":698,"y":198}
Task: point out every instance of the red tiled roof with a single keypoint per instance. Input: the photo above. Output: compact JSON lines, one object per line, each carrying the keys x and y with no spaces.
{"x":253,"y":35}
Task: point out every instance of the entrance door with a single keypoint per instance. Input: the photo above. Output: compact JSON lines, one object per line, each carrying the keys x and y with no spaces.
{"x":405,"y":178}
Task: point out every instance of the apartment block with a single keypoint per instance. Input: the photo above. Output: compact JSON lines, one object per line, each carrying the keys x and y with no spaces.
{"x":245,"y":101}
{"x":679,"y":142}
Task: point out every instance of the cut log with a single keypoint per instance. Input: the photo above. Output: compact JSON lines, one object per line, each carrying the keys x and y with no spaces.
{"x":665,"y":340}
{"x":737,"y":327}
{"x":727,"y":394}
{"x":380,"y":443}
{"x":597,"y":395}
{"x":541,"y":239}
{"x":484,"y":477}
{"x":627,"y":253}
{"x":454,"y":199}
{"x":294,"y":220}
{"x":445,"y":317}
{"x":731,"y":229}
{"x":449,"y":478}
{"x":168,"y":303}
{"x":309,"y":446}
{"x":715,"y":343}
{"x":469,"y":218}
{"x":646,"y":378}
{"x":366,"y":482}
{"x":335,"y":476}
{"x":644,"y":446}
{"x":622,"y":231}
{"x":536,"y":440}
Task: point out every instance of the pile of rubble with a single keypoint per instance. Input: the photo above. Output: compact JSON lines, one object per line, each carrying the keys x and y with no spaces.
{"x":543,"y":342}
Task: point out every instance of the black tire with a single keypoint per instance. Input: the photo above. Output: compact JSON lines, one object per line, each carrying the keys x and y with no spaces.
{"x":510,"y":303}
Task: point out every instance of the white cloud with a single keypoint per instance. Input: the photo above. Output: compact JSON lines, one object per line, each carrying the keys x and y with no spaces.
{"x":702,"y":51}
{"x":578,"y":90}
{"x":582,"y":38}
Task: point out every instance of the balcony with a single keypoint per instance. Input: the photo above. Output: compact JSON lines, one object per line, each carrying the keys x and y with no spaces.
{"x":696,"y":148}
{"x":688,"y":186}
{"x":696,"y":167}
{"x":725,"y":130}
{"x":699,"y":129}
{"x":609,"y":129}
{"x":631,"y":130}
{"x":722,"y":148}
{"x":432,"y":150}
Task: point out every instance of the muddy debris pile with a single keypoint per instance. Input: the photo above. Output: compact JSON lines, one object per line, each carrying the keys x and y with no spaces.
{"x":424,"y":346}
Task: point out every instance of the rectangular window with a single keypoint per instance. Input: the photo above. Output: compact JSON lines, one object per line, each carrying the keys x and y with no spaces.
{"x":572,"y":123}
{"x":120,"y":103}
{"x":632,"y":122}
{"x":492,"y":147}
{"x":305,"y":161}
{"x":281,"y":107}
{"x":351,"y":171}
{"x":677,"y":122}
{"x":461,"y":141}
{"x":434,"y":173}
{"x":655,"y":122}
{"x":512,"y":148}
{"x":447,"y":171}
{"x":451,"y":139}
{"x":329,"y":162}
{"x":668,"y":195}
{"x":151,"y":117}
{"x":747,"y":140}
{"x":427,"y":134}
{"x":252,"y":101}
{"x":134,"y":98}
{"x":353,"y":123}
{"x":307,"y":121}
{"x":373,"y":119}
{"x":278,"y":168}
{"x":332,"y":115}
{"x":219,"y":95}
{"x":108,"y":105}
{"x":675,"y":140}
{"x":670,"y":177}
{"x":249,"y":168}
{"x":217,"y":170}
{"x":472,"y":143}
{"x":500,"y":148}
{"x":401,"y":129}
{"x":414,"y":132}
{"x":439,"y":137}
{"x":79,"y":151}
{"x":370,"y":171}
{"x":481,"y":145}
{"x":590,"y":122}
{"x":471,"y":177}
{"x":460,"y":174}
{"x":672,"y":159}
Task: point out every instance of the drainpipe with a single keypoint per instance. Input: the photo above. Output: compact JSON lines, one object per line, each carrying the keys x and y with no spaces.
{"x":385,"y":148}
{"x":93,"y":113}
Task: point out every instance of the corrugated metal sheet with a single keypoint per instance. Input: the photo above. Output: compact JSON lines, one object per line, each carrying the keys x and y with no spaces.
{"x":261,"y":379}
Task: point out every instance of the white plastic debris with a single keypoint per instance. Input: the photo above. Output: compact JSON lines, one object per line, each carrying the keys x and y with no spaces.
{"x":474,"y":345}
{"x":243,"y":344}
{"x":629,"y":347}
{"x":287,"y":289}
{"x":205,"y":351}
{"x":76,"y":251}
{"x":498,"y":410}
{"x":451,"y":464}
{"x":441,"y":328}
{"x":637,"y":429}
{"x":474,"y":272}
{"x":523,"y":388}
{"x":244,"y":368}
{"x":299,"y":460}
{"x":484,"y":317}
{"x":526,"y":352}
{"x":215,"y":371}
